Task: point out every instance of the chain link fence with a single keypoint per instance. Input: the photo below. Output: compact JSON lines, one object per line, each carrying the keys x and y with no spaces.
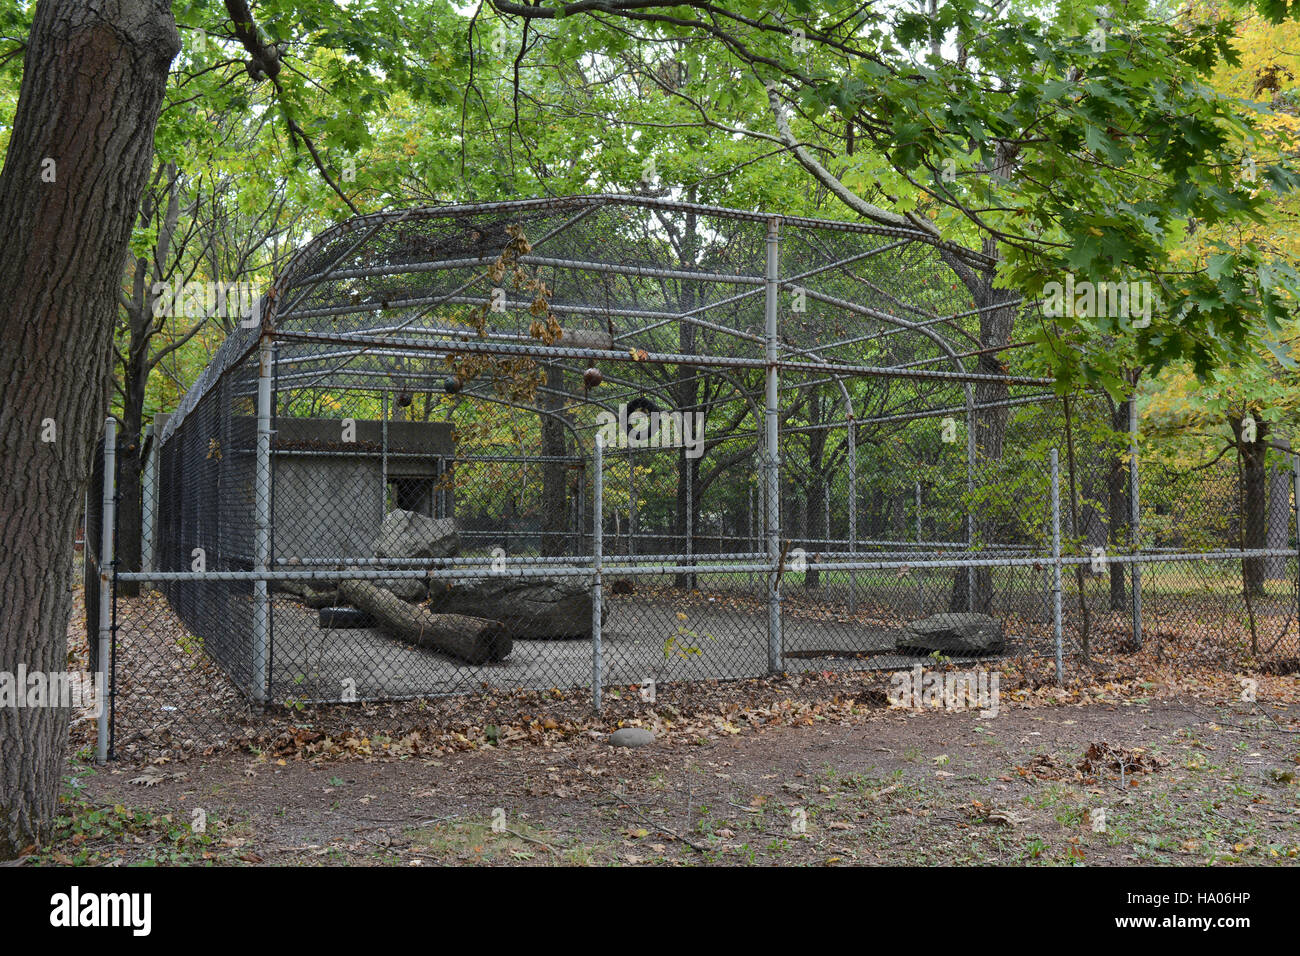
{"x":610,"y":441}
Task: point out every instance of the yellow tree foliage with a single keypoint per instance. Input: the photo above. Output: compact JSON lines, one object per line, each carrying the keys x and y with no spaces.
{"x":1177,"y":403}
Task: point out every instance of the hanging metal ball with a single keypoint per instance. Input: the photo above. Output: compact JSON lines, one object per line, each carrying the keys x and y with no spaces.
{"x":451,"y":385}
{"x":592,"y":377}
{"x":403,"y":399}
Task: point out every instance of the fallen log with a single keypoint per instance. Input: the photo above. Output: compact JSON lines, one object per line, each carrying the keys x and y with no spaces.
{"x":316,"y":600}
{"x":475,"y":640}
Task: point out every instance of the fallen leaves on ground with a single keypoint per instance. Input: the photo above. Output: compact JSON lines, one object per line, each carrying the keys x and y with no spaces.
{"x":1101,"y":757}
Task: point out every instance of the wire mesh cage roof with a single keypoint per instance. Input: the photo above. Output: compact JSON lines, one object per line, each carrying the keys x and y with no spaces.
{"x":415,"y":297}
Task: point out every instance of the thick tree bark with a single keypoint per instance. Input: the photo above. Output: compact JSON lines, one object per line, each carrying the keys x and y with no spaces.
{"x":1254,"y":516}
{"x":78,"y":157}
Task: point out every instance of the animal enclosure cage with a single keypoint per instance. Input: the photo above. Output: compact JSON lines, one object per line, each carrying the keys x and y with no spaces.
{"x":607,"y":440}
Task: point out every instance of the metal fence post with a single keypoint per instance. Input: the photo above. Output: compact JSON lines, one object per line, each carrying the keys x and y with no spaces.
{"x":1056,"y":567}
{"x":148,"y":483}
{"x":853,"y":511}
{"x":597,"y":561}
{"x":772,"y":464}
{"x":1295,"y":507}
{"x":262,"y":523}
{"x":1135,"y":514}
{"x":108,"y":517}
{"x":918,"y":579}
{"x":383,"y":456}
{"x":751,"y":543}
{"x":970,"y":497}
{"x":688,"y":478}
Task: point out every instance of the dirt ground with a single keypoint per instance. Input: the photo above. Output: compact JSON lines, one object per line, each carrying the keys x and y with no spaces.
{"x":1147,"y":758}
{"x":1177,"y":780}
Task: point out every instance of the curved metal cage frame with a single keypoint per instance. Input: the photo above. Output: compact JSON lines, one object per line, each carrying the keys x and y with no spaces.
{"x":740,"y":338}
{"x":398,"y":284}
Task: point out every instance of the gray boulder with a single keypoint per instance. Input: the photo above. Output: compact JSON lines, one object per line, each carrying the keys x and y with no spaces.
{"x":952,"y":634}
{"x":631,"y":737}
{"x":409,"y":534}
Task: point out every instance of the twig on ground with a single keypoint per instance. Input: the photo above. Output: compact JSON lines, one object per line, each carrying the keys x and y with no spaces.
{"x":636,"y":809}
{"x":525,"y":836}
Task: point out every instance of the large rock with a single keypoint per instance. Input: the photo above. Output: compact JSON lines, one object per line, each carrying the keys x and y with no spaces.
{"x":952,"y":634}
{"x":409,"y":534}
{"x":631,"y":737}
{"x":529,"y":608}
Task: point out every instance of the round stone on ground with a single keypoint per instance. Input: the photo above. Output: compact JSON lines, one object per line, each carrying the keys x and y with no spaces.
{"x":631,"y":737}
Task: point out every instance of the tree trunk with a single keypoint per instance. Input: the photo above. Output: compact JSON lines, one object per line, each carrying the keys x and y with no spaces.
{"x":93,"y":82}
{"x":685,"y":392}
{"x":816,"y":524}
{"x":815,"y":500}
{"x":474,"y":640}
{"x":1118,"y":508}
{"x":898,"y":517}
{"x":990,"y":427}
{"x":990,"y":424}
{"x":130,"y":491}
{"x":1254,"y":515}
{"x":1279,"y":513}
{"x":876,"y":513}
{"x":136,"y":367}
{"x":688,"y":510}
{"x":555,"y":503}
